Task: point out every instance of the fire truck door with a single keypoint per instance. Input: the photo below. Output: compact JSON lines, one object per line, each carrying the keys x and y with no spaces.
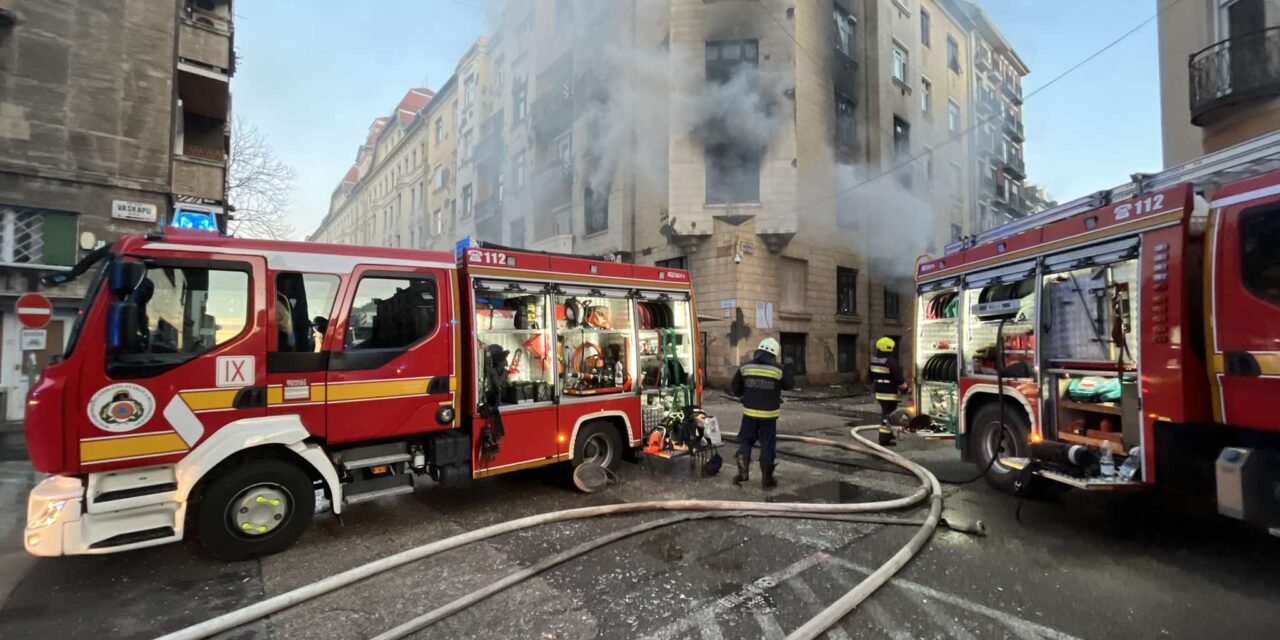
{"x":297,"y":361}
{"x":1245,"y":363}
{"x":392,"y":354}
{"x":188,"y":361}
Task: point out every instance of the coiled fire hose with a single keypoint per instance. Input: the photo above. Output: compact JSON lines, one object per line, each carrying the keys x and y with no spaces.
{"x":930,"y":490}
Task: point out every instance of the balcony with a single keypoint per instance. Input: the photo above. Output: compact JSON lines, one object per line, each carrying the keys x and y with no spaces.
{"x":1233,"y":73}
{"x":1013,"y":127}
{"x":199,"y":177}
{"x":552,"y":114}
{"x":988,"y":104}
{"x":1010,"y":89}
{"x":982,"y":60}
{"x":1015,"y":168}
{"x":205,"y":45}
{"x":487,"y":208}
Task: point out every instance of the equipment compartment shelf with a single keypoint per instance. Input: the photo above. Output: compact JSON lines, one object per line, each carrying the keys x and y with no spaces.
{"x":1095,"y":407}
{"x":507,"y":331}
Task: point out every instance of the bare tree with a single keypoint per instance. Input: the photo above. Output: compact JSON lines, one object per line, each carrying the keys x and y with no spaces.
{"x":259,"y":185}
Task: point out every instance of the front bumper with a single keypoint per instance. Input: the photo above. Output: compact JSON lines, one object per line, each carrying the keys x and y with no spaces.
{"x":59,"y":523}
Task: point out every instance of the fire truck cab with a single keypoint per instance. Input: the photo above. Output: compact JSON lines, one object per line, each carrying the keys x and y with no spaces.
{"x":217,"y":384}
{"x":1119,"y":336}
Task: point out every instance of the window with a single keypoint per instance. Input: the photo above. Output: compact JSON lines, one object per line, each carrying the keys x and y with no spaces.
{"x":517,"y":233}
{"x":844,"y":30}
{"x":793,"y":282}
{"x":37,"y":236}
{"x":847,"y":353}
{"x":466,"y":201}
{"x":846,"y":291}
{"x":899,"y":63}
{"x":925,"y":27}
{"x":957,"y":177}
{"x":793,"y":352}
{"x":928,"y":161}
{"x":956,"y":231}
{"x":442,"y":177}
{"x":723,"y":58}
{"x":892,"y":304}
{"x":466,"y":145}
{"x":519,"y":169}
{"x":731,"y":166}
{"x":595,"y":208}
{"x":953,"y":54}
{"x":926,"y":97}
{"x":304,"y":302}
{"x":679,"y":262}
{"x":953,"y":116}
{"x":1259,"y":260}
{"x":846,"y":125}
{"x":469,"y":90}
{"x":188,"y":310}
{"x":901,"y":139}
{"x":391,"y":313}
{"x":437,"y":223}
{"x":519,"y":99}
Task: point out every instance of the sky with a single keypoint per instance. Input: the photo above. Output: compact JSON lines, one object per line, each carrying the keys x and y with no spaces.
{"x":313,"y":74}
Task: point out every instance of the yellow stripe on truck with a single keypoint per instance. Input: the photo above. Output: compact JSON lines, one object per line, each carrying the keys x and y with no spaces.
{"x":130,"y":447}
{"x":380,"y":389}
{"x":209,"y":399}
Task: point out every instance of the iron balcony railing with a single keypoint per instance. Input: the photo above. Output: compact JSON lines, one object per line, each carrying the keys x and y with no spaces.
{"x":1234,"y":71}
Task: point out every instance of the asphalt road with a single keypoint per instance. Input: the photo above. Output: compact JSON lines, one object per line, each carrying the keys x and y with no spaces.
{"x":1084,"y":566}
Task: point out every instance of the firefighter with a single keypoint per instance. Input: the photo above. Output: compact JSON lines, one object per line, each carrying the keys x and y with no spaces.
{"x":760,"y":384}
{"x":887,"y":383}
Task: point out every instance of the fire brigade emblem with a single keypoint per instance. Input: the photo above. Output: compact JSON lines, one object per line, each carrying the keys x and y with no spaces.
{"x":120,"y":408}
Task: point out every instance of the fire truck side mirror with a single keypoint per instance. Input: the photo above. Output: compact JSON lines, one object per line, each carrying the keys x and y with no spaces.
{"x":123,"y":328}
{"x":125,"y":276}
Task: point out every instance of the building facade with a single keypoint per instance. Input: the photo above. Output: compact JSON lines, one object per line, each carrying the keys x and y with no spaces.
{"x":795,"y":157}
{"x":1219,"y":74}
{"x":112,"y":116}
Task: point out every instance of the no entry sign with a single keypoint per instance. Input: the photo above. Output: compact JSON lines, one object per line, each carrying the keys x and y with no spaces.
{"x":34,"y":310}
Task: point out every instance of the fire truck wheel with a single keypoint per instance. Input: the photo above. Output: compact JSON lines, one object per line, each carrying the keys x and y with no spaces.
{"x":255,"y":509}
{"x":989,"y":438}
{"x":598,"y":443}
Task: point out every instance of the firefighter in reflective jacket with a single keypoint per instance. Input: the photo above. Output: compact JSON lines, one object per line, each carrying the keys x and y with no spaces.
{"x":887,"y":383}
{"x":760,"y":384}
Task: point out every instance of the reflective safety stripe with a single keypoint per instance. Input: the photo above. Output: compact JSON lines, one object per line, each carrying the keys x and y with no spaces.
{"x":886,"y":396}
{"x":761,"y":413}
{"x":878,"y":369}
{"x":762,"y":372}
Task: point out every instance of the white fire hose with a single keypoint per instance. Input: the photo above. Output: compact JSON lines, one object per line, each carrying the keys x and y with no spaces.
{"x":930,"y":489}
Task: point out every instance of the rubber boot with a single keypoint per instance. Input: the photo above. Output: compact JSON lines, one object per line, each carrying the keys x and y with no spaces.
{"x":766,"y":475}
{"x":744,"y":470}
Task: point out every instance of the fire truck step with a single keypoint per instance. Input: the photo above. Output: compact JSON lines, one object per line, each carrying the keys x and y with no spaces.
{"x":364,"y":463}
{"x":365,"y":490}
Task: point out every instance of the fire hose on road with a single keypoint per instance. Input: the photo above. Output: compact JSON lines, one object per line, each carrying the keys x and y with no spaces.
{"x":930,"y":490}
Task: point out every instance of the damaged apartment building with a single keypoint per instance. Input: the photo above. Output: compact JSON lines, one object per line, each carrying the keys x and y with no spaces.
{"x":113,"y":117}
{"x":796,"y":156}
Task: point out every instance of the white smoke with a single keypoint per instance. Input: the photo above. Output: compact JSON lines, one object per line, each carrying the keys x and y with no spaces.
{"x":884,"y":220}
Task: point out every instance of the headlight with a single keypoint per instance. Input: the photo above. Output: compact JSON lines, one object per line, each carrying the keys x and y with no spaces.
{"x":50,"y":515}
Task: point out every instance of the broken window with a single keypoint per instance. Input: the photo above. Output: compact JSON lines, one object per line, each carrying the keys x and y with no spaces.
{"x":595,"y":205}
{"x":846,"y":125}
{"x":732,"y":164}
{"x":953,"y":54}
{"x":902,"y":149}
{"x":846,"y":291}
{"x":844,"y":30}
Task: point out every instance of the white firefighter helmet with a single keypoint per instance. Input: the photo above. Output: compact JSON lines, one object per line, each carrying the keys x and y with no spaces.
{"x":770,"y":345}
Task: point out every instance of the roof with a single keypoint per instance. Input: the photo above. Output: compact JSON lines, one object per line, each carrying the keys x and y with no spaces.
{"x":413,"y":103}
{"x":352,"y":178}
{"x":374,"y":130}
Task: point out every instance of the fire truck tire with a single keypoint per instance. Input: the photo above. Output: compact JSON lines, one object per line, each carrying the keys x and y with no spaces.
{"x":988,"y":438}
{"x":597,"y":443}
{"x":254,"y":509}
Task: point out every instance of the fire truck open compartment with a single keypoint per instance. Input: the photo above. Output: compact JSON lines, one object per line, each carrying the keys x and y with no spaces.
{"x":937,"y":359}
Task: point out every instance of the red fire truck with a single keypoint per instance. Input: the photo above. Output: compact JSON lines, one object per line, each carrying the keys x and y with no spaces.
{"x":215,"y":383}
{"x":1129,"y":337}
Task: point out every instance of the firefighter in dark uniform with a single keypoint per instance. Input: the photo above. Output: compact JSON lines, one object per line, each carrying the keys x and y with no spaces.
{"x":887,"y":383}
{"x":760,"y":384}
